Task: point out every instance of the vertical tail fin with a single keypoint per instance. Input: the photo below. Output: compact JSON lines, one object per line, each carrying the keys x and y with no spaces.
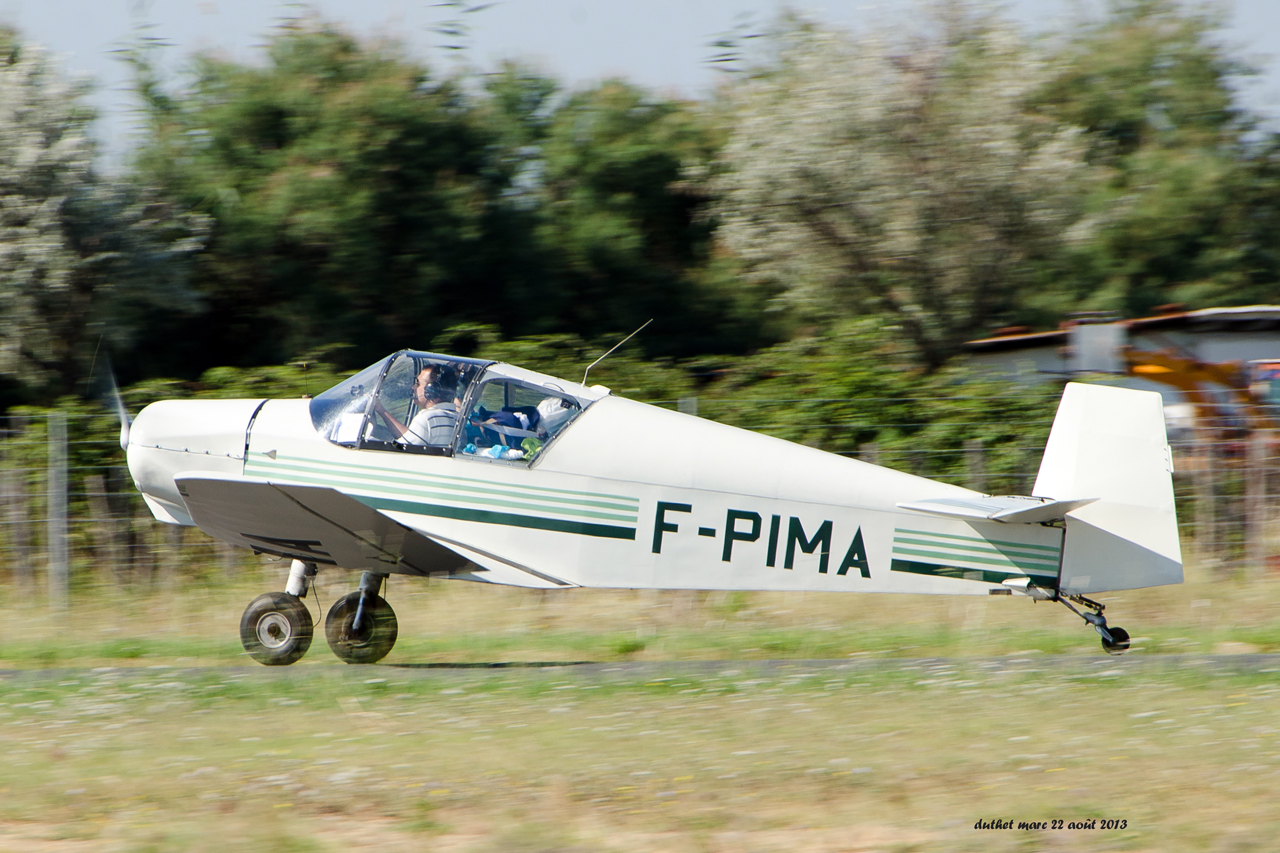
{"x":1109,"y":443}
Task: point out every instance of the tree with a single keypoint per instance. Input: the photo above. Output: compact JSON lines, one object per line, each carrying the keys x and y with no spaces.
{"x":354,"y":199}
{"x":900,"y":176}
{"x":83,"y":259}
{"x":627,"y":234}
{"x":357,"y":199}
{"x":1189,"y":200}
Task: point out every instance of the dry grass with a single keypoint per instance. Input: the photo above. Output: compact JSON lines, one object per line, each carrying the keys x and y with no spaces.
{"x":444,"y":621}
{"x":170,"y":749}
{"x":888,"y":755}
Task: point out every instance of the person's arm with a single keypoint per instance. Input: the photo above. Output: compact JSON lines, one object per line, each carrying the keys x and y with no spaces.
{"x":398,"y":428}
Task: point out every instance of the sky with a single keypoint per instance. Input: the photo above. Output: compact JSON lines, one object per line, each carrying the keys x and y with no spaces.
{"x":661,"y":44}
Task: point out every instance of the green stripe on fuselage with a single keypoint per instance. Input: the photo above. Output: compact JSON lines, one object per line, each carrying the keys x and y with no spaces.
{"x":989,"y":560}
{"x":605,"y":531}
{"x":990,"y":550}
{"x":1052,"y":549}
{"x":961,"y":573}
{"x":625,"y":502}
{"x":308,"y":476}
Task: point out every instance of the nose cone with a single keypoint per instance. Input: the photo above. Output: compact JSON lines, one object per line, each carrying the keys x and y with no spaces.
{"x":181,"y":436}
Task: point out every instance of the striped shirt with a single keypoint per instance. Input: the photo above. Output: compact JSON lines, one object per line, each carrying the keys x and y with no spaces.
{"x":433,"y":425}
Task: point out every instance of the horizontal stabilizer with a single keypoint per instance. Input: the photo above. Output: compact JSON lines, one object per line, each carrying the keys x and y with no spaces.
{"x":1011,"y":509}
{"x":1026,"y":587}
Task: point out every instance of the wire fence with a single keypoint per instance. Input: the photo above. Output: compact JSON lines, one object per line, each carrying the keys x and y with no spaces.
{"x":71,"y":520}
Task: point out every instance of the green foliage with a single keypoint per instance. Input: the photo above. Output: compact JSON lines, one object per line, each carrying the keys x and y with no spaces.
{"x":341,"y":195}
{"x":849,"y":387}
{"x":351,"y":194}
{"x":1189,"y":202}
{"x":903,"y":176}
{"x":625,"y":372}
{"x":357,"y":199}
{"x":83,"y":258}
{"x":627,"y":231}
{"x":1149,"y":73}
{"x":838,"y":390}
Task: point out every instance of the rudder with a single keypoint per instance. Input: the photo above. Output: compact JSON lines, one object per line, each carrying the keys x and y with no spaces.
{"x":1109,"y":443}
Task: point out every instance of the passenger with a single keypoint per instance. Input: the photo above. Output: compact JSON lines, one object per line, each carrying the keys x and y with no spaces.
{"x":513,"y":419}
{"x":437,"y":415}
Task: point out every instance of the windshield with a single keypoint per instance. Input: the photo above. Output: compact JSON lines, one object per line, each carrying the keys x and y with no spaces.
{"x":408,"y":401}
{"x":339,"y":412}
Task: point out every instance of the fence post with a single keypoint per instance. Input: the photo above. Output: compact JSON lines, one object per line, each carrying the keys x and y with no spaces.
{"x":56,"y":530}
{"x":975,"y":467}
{"x":687,"y":405}
{"x":1256,"y":502}
{"x":869,"y":452}
{"x":1206,"y":523}
{"x":1255,"y":512}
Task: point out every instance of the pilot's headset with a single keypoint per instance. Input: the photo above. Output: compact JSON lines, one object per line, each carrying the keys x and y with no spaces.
{"x":436,"y":392}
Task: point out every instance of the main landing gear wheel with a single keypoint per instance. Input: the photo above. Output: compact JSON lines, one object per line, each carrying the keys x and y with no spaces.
{"x":276,"y":629}
{"x":1119,"y":641}
{"x":372,"y":639}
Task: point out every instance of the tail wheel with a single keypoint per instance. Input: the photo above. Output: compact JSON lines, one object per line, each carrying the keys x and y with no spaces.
{"x":276,"y":629}
{"x":1119,"y":641}
{"x":376,"y":636}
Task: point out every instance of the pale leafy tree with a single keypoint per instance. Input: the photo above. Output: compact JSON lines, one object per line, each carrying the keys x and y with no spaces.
{"x":83,"y":259}
{"x":900,"y":174}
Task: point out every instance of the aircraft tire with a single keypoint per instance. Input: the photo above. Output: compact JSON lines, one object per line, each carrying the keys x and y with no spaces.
{"x":1120,"y":643}
{"x":276,"y":629}
{"x":374,"y":642}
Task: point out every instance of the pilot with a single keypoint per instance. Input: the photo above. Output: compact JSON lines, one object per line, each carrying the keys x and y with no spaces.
{"x":437,"y":415}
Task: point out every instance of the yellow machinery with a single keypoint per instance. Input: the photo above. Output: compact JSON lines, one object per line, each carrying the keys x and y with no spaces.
{"x":1191,"y":376}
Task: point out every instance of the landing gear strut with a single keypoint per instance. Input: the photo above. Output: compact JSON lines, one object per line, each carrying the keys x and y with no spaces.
{"x":1114,"y":640}
{"x":361,"y":627}
{"x":276,"y":627}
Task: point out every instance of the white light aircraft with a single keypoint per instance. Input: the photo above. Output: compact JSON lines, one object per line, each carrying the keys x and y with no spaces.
{"x":431,"y":465}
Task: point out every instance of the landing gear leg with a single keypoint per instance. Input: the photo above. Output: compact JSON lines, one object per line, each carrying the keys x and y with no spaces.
{"x":301,"y":576}
{"x":361,"y":627}
{"x":1114,"y":640}
{"x":276,"y":627}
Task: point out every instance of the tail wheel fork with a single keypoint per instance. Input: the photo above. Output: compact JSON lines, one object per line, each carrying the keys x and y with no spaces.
{"x":1115,"y":640}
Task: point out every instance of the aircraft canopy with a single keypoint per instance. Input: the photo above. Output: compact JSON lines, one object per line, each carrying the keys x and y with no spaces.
{"x":444,"y":405}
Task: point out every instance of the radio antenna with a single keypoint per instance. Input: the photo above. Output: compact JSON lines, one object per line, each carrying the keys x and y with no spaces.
{"x":615,"y":346}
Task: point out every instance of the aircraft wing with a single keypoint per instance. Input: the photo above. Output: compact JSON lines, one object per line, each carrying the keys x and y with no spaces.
{"x":1011,"y":509}
{"x":327,"y":527}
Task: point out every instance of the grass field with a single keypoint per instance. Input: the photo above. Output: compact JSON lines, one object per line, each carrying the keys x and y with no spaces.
{"x":452,"y":621}
{"x":135,"y":724}
{"x":882,"y":755}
